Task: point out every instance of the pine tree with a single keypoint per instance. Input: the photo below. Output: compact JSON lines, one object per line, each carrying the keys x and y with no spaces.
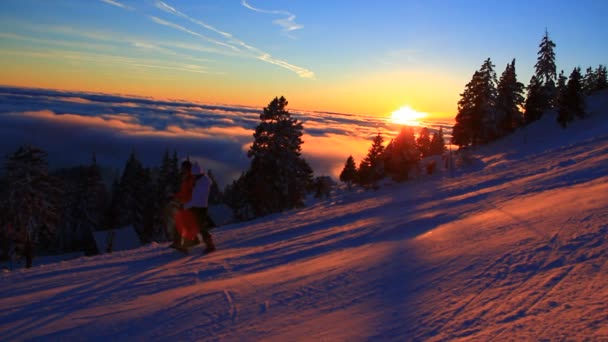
{"x":546,"y":71}
{"x":349,"y":172}
{"x":371,"y":168}
{"x":215,"y":194}
{"x":535,"y":101}
{"x":167,"y":184}
{"x":588,"y":81}
{"x":402,"y":155}
{"x":423,"y":142}
{"x":437,"y":143}
{"x":133,"y":197}
{"x":601,"y":78}
{"x":509,"y":101}
{"x":542,"y":88}
{"x":32,"y":198}
{"x":279,"y":177}
{"x":476,"y":118}
{"x":561,"y":84}
{"x":573,"y":102}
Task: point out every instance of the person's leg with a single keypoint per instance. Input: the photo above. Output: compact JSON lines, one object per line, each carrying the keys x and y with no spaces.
{"x":208,"y":239}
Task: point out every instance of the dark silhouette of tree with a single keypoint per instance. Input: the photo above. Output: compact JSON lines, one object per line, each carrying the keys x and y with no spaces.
{"x":601,"y":78}
{"x":279,"y":177}
{"x":542,"y":91}
{"x":32,"y":198}
{"x":572,"y":102}
{"x":437,"y":143}
{"x":134,"y":197}
{"x":588,"y":81}
{"x":371,"y":168}
{"x":535,"y":101}
{"x":509,"y":101}
{"x":476,"y":117}
{"x":215,"y":194}
{"x":349,"y":172}
{"x":166,"y":186}
{"x":423,"y":142}
{"x":402,"y":155}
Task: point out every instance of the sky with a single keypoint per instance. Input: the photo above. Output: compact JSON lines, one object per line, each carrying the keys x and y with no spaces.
{"x":360,"y":57}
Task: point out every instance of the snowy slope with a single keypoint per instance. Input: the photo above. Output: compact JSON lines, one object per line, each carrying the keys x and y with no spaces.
{"x":512,"y":248}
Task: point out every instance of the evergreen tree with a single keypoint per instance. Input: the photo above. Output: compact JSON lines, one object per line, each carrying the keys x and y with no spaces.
{"x":476,"y":118}
{"x":561,"y":84}
{"x":546,"y":71}
{"x":588,"y":81}
{"x":542,"y":90}
{"x":509,"y":101}
{"x":167,"y":185}
{"x":133,"y":197}
{"x":572,"y":103}
{"x":437,"y":143}
{"x":601,"y":78}
{"x":215,"y":194}
{"x":402,"y":155}
{"x":535,"y":101}
{"x":371,"y":168}
{"x":279,"y":177}
{"x":32,"y":198}
{"x":423,"y":142}
{"x":349,"y":172}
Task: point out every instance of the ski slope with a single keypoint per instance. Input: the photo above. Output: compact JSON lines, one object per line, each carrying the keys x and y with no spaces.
{"x":512,"y":247}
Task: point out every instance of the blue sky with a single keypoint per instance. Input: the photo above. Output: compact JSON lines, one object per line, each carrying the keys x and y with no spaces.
{"x":345,"y":56}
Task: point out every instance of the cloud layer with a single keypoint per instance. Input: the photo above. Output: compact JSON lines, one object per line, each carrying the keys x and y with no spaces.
{"x":71,"y":126}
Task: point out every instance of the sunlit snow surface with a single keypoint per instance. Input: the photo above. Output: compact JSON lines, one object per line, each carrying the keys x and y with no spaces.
{"x":512,"y":246}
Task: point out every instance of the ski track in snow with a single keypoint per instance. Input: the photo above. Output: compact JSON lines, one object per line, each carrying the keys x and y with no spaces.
{"x":512,"y":247}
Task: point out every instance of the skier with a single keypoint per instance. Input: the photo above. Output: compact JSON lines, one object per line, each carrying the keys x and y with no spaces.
{"x":191,"y":218}
{"x":198,"y":205}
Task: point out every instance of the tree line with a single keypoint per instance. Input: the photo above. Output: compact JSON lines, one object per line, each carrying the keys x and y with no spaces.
{"x":397,"y":159}
{"x":490,"y":109}
{"x":58,"y":211}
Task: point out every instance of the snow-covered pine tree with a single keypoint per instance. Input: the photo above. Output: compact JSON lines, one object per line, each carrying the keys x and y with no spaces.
{"x":32,"y":199}
{"x":371,"y":168}
{"x":509,"y":101}
{"x":349,"y":172}
{"x":279,"y":177}
{"x":572,"y":103}
{"x":476,"y":117}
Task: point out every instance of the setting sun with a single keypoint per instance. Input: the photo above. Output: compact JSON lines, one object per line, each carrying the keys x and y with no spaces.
{"x":407,"y":116}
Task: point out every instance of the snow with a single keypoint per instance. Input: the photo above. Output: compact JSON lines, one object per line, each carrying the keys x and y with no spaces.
{"x":512,"y":247}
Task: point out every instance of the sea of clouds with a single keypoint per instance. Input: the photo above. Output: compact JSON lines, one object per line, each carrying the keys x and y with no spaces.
{"x":71,"y":126}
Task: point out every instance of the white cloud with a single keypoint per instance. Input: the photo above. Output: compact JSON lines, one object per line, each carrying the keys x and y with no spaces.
{"x":251,"y":51}
{"x":117,"y":4}
{"x":288,"y":23}
{"x":181,"y":28}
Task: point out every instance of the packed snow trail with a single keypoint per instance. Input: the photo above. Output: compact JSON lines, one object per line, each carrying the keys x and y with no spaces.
{"x":514,"y":247}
